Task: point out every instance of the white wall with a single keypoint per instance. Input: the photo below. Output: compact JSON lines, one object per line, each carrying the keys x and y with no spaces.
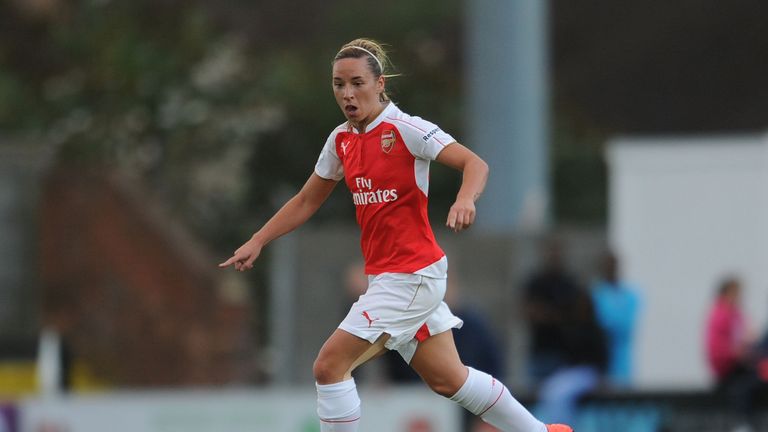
{"x":684,"y":212}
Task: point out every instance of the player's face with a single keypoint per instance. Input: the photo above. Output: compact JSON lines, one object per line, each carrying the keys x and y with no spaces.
{"x":357,"y":90}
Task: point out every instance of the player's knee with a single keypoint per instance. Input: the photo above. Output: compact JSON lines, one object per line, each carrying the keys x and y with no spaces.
{"x":320,"y":371}
{"x":445,"y":386}
{"x":325,"y":371}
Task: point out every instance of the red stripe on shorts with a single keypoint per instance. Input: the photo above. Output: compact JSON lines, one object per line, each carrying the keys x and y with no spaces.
{"x":423,"y":333}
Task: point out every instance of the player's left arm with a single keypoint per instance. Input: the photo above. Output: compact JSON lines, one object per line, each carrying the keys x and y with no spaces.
{"x":475,"y":174}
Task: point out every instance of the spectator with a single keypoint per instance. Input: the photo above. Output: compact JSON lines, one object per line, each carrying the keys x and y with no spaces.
{"x":549,"y":293}
{"x":730,"y":350}
{"x":583,"y":366}
{"x":617,"y":306}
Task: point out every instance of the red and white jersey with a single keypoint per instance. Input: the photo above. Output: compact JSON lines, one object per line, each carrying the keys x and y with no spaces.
{"x":387,"y":171}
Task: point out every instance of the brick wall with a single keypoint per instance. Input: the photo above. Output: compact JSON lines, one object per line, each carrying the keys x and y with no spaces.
{"x":135,"y":296}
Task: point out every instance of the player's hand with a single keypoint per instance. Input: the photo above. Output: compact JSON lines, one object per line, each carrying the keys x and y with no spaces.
{"x":244,"y":257}
{"x":461,"y":215}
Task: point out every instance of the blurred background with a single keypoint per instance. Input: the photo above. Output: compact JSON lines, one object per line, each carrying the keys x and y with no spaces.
{"x":141,"y":142}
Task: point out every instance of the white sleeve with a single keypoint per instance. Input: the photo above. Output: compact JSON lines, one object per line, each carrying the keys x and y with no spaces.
{"x":329,"y":165}
{"x":424,"y":139}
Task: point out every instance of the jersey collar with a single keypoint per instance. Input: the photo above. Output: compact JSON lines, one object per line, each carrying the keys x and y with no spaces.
{"x":389,"y":109}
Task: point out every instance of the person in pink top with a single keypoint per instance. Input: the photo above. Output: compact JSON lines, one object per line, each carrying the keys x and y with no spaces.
{"x":383,"y":155}
{"x":730,"y":350}
{"x":727,"y":340}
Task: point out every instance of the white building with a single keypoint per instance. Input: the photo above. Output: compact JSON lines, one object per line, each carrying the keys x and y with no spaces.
{"x":684,"y":212}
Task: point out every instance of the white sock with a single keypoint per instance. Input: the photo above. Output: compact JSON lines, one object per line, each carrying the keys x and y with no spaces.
{"x":488,"y":398}
{"x":338,"y":406}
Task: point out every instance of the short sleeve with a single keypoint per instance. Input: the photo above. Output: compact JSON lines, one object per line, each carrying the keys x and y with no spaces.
{"x":424,"y":139}
{"x":329,"y":165}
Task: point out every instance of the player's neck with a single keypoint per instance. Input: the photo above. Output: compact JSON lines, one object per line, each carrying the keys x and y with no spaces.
{"x":363,"y":124}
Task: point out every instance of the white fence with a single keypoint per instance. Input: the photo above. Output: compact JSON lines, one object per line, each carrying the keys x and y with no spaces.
{"x":395,"y":410}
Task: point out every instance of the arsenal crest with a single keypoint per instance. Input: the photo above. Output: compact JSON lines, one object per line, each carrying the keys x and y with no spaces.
{"x":387,"y":140}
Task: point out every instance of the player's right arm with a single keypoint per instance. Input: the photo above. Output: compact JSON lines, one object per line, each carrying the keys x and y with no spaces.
{"x":292,"y":215}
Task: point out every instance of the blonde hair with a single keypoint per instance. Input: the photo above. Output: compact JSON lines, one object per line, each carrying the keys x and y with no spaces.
{"x":378,"y":61}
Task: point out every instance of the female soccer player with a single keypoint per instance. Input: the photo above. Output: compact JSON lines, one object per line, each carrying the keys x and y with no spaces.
{"x":383,"y":155}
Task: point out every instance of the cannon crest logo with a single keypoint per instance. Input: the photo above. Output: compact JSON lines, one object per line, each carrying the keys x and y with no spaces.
{"x":387,"y":140}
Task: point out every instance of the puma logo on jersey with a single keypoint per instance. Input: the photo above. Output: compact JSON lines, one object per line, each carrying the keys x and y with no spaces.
{"x":344,"y":145}
{"x":370,"y":320}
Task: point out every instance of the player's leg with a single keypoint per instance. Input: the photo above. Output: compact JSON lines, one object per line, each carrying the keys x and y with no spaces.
{"x":363,"y":334}
{"x":437,"y":362}
{"x":338,"y":404}
{"x":342,"y":353}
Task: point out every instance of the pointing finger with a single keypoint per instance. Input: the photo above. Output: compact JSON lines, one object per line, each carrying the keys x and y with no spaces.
{"x":228,"y":262}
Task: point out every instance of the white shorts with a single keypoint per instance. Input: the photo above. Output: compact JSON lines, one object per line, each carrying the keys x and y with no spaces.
{"x":408,"y":307}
